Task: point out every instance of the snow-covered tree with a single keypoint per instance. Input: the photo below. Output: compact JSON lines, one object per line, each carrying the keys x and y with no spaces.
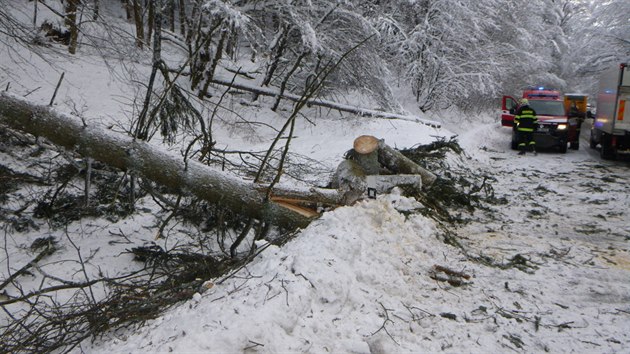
{"x":301,"y":37}
{"x":442,"y":49}
{"x":610,"y":20}
{"x":599,"y":36}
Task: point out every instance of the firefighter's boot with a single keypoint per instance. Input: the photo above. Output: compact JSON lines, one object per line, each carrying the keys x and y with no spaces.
{"x":522,"y":148}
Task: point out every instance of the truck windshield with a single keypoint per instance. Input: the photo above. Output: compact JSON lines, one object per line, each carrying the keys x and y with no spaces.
{"x":547,"y":108}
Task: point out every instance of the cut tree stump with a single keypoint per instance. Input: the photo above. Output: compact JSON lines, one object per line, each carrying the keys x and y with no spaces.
{"x":366,"y":146}
{"x":366,"y":149}
{"x":364,"y":164}
{"x":349,"y":180}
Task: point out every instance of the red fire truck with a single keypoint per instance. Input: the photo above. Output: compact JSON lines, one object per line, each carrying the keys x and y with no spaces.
{"x":553,"y":122}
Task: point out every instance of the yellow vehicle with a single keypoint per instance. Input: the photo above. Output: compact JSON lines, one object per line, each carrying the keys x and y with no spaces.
{"x":576,"y":108}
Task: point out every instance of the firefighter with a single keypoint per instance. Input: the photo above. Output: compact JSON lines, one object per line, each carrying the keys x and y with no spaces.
{"x":526,"y":122}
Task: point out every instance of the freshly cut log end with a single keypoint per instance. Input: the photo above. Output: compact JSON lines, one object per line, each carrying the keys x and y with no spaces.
{"x":365,"y":144}
{"x":294,"y":205}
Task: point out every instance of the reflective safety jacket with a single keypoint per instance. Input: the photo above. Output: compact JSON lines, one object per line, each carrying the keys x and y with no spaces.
{"x":525,"y":119}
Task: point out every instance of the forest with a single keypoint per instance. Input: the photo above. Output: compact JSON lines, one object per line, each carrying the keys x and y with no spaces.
{"x":446,"y":52}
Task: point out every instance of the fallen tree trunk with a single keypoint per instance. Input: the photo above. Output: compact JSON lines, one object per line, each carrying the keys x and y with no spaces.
{"x":125,"y":153}
{"x":324,"y":103}
{"x":399,"y":163}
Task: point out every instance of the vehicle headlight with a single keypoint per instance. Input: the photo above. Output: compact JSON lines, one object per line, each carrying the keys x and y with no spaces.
{"x":561,"y":127}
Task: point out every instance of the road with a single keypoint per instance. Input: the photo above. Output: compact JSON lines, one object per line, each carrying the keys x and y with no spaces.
{"x":568,"y":216}
{"x":575,"y":196}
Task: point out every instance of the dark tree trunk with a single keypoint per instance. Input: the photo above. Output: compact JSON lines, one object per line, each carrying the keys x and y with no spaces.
{"x":71,"y":23}
{"x":182,"y":17}
{"x":34,"y":13}
{"x":283,"y":85}
{"x":97,"y":7}
{"x":151,"y":19}
{"x":278,"y":51}
{"x":137,"y":17}
{"x":200,"y":55}
{"x":213,"y":65}
{"x":128,"y":8}
{"x":143,"y":127}
{"x":171,"y":13}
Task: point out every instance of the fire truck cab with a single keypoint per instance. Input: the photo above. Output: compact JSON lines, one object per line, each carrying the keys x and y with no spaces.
{"x":552,"y":130}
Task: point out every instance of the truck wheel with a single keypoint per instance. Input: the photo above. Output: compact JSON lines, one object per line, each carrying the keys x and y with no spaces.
{"x":592,"y":143}
{"x":606,"y":151}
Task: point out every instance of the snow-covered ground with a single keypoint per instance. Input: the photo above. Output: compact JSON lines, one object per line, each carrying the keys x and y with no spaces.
{"x":359,"y":280}
{"x":363,"y":278}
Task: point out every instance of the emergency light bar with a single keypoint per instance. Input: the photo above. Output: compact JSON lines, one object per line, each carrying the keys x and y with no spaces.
{"x":541,"y":88}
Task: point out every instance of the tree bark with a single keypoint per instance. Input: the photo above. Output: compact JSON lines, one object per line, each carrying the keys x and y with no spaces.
{"x":71,"y":23}
{"x":209,"y":73}
{"x":284,"y":82}
{"x":182,"y":18}
{"x":350,"y":180}
{"x":34,"y":14}
{"x":127,"y":7}
{"x":137,"y":17}
{"x":171,"y":17}
{"x":400,"y":164}
{"x":164,"y":168}
{"x":370,"y":154}
{"x":278,"y":50}
{"x":97,"y":6}
{"x":151,"y":20}
{"x":360,"y":172}
{"x":366,"y":149}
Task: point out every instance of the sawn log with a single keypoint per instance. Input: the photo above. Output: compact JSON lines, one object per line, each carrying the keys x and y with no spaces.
{"x":149,"y":161}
